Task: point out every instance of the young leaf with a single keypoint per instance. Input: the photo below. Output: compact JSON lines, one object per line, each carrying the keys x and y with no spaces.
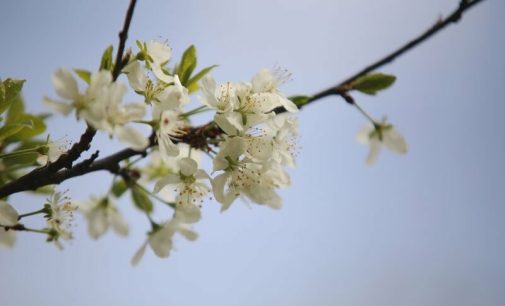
{"x":193,"y":82}
{"x":27,"y":159}
{"x":9,"y":90}
{"x":299,"y":100}
{"x":106,"y":62}
{"x":370,"y":84}
{"x":13,"y":129}
{"x":16,"y":110}
{"x":38,"y":127}
{"x":141,"y":199}
{"x":187,"y":65}
{"x":85,"y":75}
{"x":119,"y":188}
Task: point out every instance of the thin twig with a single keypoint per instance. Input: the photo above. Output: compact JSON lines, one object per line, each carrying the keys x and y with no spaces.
{"x":123,"y":36}
{"x":454,"y":17}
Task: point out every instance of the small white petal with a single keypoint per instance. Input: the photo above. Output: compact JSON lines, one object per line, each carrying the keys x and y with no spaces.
{"x":228,"y":122}
{"x":161,"y":241}
{"x":363,"y":135}
{"x":201,"y":175}
{"x":187,"y":166}
{"x":394,"y":141}
{"x":136,"y":76}
{"x":8,"y":215}
{"x":97,"y":223}
{"x":139,"y":254}
{"x":160,"y":53}
{"x":289,"y":105}
{"x":7,"y":238}
{"x":374,"y":151}
{"x":188,"y":234}
{"x":131,"y":137}
{"x":166,"y":146}
{"x":188,"y":213}
{"x":158,"y":72}
{"x":167,"y":180}
{"x":219,"y":163}
{"x":65,"y":84}
{"x":57,"y":106}
{"x":118,"y":223}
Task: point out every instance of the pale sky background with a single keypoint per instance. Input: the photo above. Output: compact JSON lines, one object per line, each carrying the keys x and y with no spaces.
{"x":422,"y":229}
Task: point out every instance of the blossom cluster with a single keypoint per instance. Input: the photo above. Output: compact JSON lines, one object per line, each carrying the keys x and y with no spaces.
{"x":250,"y":148}
{"x":249,"y":153}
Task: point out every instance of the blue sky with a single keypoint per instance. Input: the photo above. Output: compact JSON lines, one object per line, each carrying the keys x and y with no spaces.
{"x":421,"y":229}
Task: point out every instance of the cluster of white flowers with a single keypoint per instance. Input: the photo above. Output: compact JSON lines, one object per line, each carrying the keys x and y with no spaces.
{"x":253,"y":148}
{"x":58,"y":212}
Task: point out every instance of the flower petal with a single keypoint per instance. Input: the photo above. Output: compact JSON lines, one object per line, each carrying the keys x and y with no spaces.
{"x":7,"y":238}
{"x":394,"y":141}
{"x":58,"y":106}
{"x":8,"y":215}
{"x":167,"y":180}
{"x":139,"y":254}
{"x":375,"y":145}
{"x":65,"y":84}
{"x":131,"y":137}
{"x":187,"y":166}
{"x":97,"y":222}
{"x":118,"y":223}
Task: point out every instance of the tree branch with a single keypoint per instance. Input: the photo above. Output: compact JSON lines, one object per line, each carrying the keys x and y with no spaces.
{"x":344,"y":86}
{"x":198,"y":136}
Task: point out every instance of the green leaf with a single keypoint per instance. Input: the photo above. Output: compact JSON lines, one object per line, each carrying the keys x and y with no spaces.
{"x":119,"y":188}
{"x":141,"y":199}
{"x":9,"y":91}
{"x":106,"y":62}
{"x":370,"y":84}
{"x":187,"y":65}
{"x":16,"y":110}
{"x":13,"y":129}
{"x":193,"y":82}
{"x":24,"y":159}
{"x":299,"y":100}
{"x":38,"y":127}
{"x":85,"y":75}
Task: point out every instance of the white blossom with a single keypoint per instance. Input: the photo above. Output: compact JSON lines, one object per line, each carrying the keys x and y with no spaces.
{"x":240,"y":106}
{"x":189,"y":189}
{"x":381,"y":134}
{"x":108,"y":114}
{"x":102,"y":213}
{"x":59,"y":215}
{"x":66,"y":87}
{"x":160,"y":240}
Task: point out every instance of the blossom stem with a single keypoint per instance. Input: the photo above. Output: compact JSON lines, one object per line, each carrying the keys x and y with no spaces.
{"x":32,"y":230}
{"x":41,"y":211}
{"x":195,"y":111}
{"x":364,"y":113}
{"x":21,"y":227}
{"x":172,"y":205}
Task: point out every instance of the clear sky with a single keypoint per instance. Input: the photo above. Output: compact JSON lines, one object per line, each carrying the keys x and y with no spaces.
{"x":422,"y":229}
